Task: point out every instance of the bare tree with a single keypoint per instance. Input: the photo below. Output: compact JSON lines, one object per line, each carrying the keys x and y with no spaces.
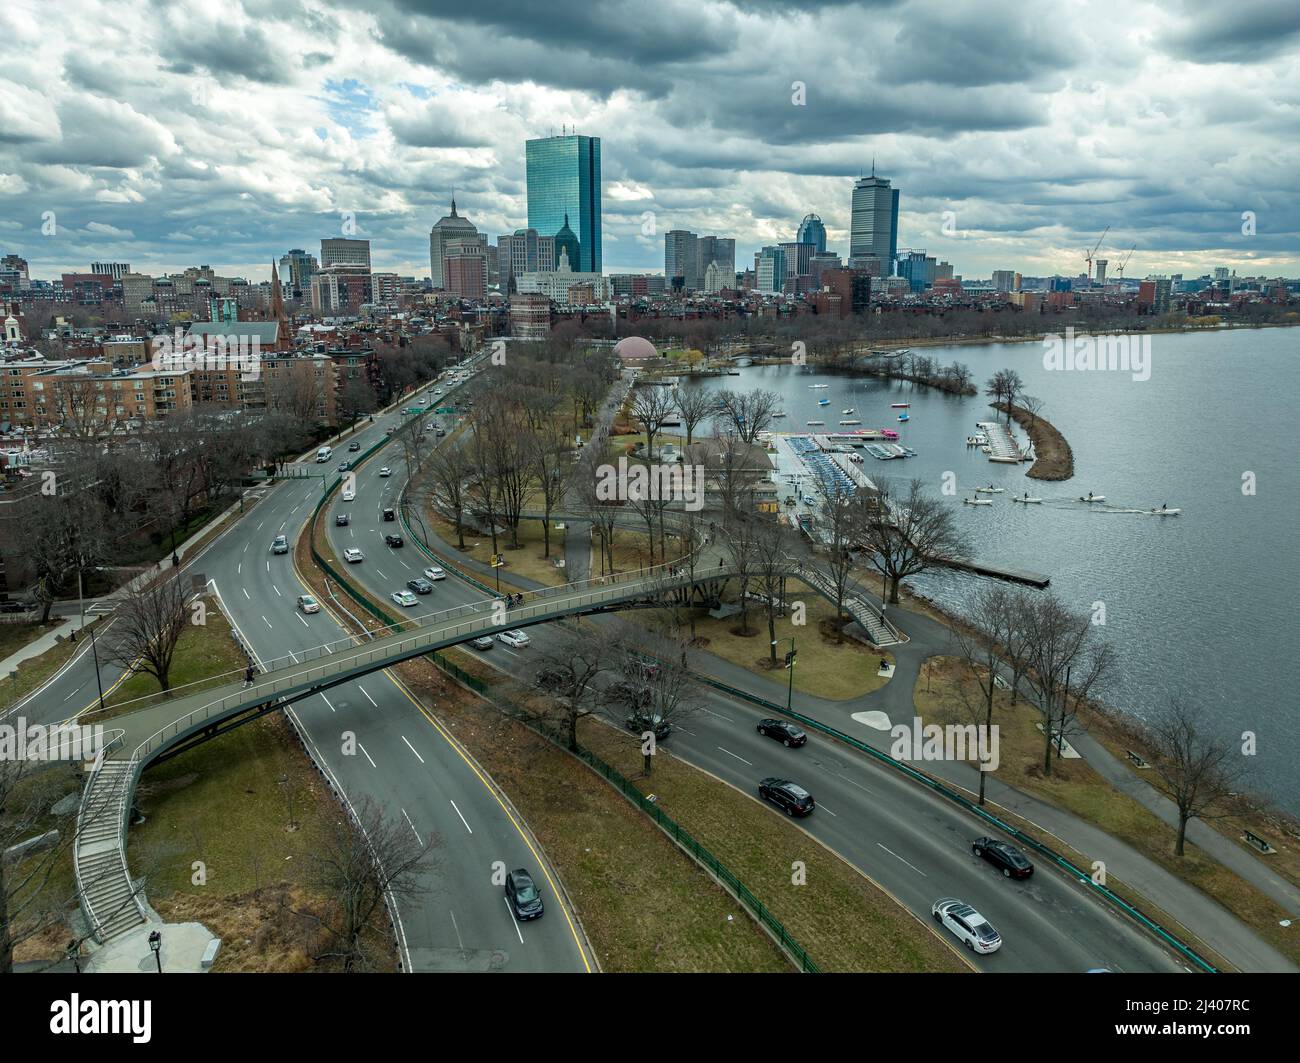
{"x":358,"y":866}
{"x":1004,"y":386}
{"x":773,"y":566}
{"x":651,"y":407}
{"x":149,"y":623}
{"x":1033,"y":406}
{"x":568,"y":671}
{"x":548,"y":454}
{"x":990,"y":621}
{"x":740,"y":546}
{"x":838,"y":525}
{"x":907,"y":535}
{"x":1195,"y":770}
{"x":449,"y":469}
{"x":694,"y":406}
{"x":748,"y":413}
{"x":656,"y":694}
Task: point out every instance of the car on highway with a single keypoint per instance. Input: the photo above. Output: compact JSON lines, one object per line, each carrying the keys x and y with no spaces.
{"x":404,"y":598}
{"x":420,"y":586}
{"x":790,"y":797}
{"x":352,"y":555}
{"x":641,"y":722}
{"x":354,"y":446}
{"x":522,"y":895}
{"x":342,"y":520}
{"x":308,"y":604}
{"x":483,"y":642}
{"x":344,"y":466}
{"x":518,"y":639}
{"x":1004,"y":856}
{"x":440,"y":433}
{"x":385,"y":471}
{"x":966,"y":924}
{"x":393,"y":541}
{"x":389,"y":514}
{"x":434,"y":573}
{"x":280,"y":545}
{"x":349,"y":493}
{"x":783,"y":731}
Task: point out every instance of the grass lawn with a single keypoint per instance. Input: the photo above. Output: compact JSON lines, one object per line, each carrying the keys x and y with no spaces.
{"x":13,"y":637}
{"x":621,"y":871}
{"x":843,"y":920}
{"x":527,"y":561}
{"x":1074,"y":786}
{"x":37,"y":670}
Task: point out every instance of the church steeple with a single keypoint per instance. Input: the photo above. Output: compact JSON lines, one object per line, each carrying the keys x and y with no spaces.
{"x":277,"y":307}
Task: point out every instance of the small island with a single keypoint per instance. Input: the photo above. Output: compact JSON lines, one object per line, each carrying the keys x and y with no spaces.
{"x":1053,"y":458}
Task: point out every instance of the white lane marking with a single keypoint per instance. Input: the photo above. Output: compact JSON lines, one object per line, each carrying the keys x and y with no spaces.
{"x":294,"y":657}
{"x":351,"y":532}
{"x":413,"y":830}
{"x":266,"y":622}
{"x":283,"y":523}
{"x":304,"y":623}
{"x":259,"y":525}
{"x":897,"y":857}
{"x":823,"y":808}
{"x":368,"y":757}
{"x":739,"y":758}
{"x":456,"y":927}
{"x":328,"y":702}
{"x":268,"y":567}
{"x":852,"y":782}
{"x":239,"y":568}
{"x":328,"y":649}
{"x":717,"y":714}
{"x":246,"y":594}
{"x":381,"y":575}
{"x":245,"y":550}
{"x":276,"y":589}
{"x":368,"y":697}
{"x":403,"y":564}
{"x":462,"y":818}
{"x":513,"y":919}
{"x":693,"y":734}
{"x":412,"y":749}
{"x":72,"y":694}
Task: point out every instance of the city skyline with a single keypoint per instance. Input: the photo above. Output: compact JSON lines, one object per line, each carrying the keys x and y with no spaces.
{"x":233,"y":148}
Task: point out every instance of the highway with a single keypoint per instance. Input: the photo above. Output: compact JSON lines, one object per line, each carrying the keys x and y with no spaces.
{"x":908,"y":840}
{"x":404,"y":762}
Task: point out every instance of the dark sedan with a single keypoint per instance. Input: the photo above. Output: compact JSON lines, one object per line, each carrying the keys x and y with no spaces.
{"x":394,"y":540}
{"x":790,"y":797}
{"x":1004,"y":856}
{"x":522,"y":895}
{"x":784,"y":732}
{"x":420,"y":586}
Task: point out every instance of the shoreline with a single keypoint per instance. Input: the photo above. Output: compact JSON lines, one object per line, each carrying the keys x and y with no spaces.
{"x":1053,"y":458}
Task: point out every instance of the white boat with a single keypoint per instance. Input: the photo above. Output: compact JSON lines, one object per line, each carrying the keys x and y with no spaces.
{"x":1092,"y":498}
{"x":781,"y":414}
{"x":990,"y":490}
{"x":849,"y":412}
{"x":1162,"y":512}
{"x":987,"y":449}
{"x":978,"y":501}
{"x":1026,"y":500}
{"x":977,"y":441}
{"x":818,"y":387}
{"x":850,"y":422}
{"x":899,"y":405}
{"x":814,"y":422}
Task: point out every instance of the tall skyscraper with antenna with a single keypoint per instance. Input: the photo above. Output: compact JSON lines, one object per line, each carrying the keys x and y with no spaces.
{"x":873,"y":225}
{"x":564,"y":188}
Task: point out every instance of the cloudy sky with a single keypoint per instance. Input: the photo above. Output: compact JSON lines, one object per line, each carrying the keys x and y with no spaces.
{"x":169,"y":133}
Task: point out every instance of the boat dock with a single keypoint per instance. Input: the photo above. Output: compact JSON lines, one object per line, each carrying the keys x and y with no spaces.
{"x":1002,"y":443}
{"x":1003,"y":572}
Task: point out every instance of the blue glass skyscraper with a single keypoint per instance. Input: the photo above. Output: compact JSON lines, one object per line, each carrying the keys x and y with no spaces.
{"x":812,"y":231}
{"x":564,"y":179}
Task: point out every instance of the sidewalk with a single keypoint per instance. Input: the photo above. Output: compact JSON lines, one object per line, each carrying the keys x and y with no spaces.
{"x":36,"y":647}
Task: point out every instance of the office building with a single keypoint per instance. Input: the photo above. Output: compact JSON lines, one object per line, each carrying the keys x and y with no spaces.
{"x":688,"y":256}
{"x":769,"y":270}
{"x":524,"y":251}
{"x":116,"y":270}
{"x":563,"y":175}
{"x":340,"y":251}
{"x":873,"y":225}
{"x":812,"y":231}
{"x":297,"y":268}
{"x":451,"y":227}
{"x":1004,"y":280}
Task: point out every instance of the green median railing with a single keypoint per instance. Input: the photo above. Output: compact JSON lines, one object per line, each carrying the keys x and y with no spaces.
{"x":716,"y":867}
{"x":1083,"y":877}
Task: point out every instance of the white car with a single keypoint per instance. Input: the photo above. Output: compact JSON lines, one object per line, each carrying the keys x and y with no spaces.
{"x":352,"y":555}
{"x":514,"y":638}
{"x":966,"y":924}
{"x":434,"y":573}
{"x":404,"y":598}
{"x":385,"y":471}
{"x":349,"y":494}
{"x":308,"y":604}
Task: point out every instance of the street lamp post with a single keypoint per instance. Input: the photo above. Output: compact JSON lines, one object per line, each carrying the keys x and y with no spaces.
{"x":789,"y":663}
{"x":155,"y":946}
{"x":94,"y":650}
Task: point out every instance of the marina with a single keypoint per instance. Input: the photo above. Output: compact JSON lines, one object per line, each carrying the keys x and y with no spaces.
{"x":1000,"y":443}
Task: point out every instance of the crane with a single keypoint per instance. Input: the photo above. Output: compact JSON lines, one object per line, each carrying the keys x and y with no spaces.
{"x":1125,"y":262}
{"x":1088,"y":254}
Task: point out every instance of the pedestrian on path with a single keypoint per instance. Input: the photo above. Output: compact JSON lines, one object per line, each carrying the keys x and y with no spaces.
{"x":248,"y":676}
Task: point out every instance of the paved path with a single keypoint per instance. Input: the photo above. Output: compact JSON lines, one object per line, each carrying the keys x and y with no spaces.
{"x":47,"y":641}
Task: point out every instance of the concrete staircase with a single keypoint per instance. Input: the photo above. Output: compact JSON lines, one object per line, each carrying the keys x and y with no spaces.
{"x":878,"y":629}
{"x":103,"y":883}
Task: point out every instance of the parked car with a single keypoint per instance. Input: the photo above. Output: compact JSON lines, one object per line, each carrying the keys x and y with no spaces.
{"x":966,"y":924}
{"x":385,"y":471}
{"x":514,"y":638}
{"x":352,"y":555}
{"x":342,"y":520}
{"x":420,"y":586}
{"x":522,"y":895}
{"x":404,"y":598}
{"x":393,"y":541}
{"x":434,"y":573}
{"x":783,"y":731}
{"x":1004,"y":856}
{"x":483,"y":642}
{"x":354,"y":445}
{"x":308,"y":604}
{"x":280,"y":545}
{"x":641,"y":722}
{"x":389,"y":514}
{"x":790,"y":797}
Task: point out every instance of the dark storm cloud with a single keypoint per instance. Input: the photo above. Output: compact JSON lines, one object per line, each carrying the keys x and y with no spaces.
{"x":244,"y":51}
{"x":1246,"y":31}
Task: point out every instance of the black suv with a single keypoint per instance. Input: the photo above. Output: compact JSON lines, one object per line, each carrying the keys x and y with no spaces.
{"x":522,"y":894}
{"x":393,"y":540}
{"x":785,"y":733}
{"x":342,"y":519}
{"x":389,"y":515}
{"x":420,"y":585}
{"x":354,"y":445}
{"x":641,"y":722}
{"x":791,"y":798}
{"x":1004,"y":856}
